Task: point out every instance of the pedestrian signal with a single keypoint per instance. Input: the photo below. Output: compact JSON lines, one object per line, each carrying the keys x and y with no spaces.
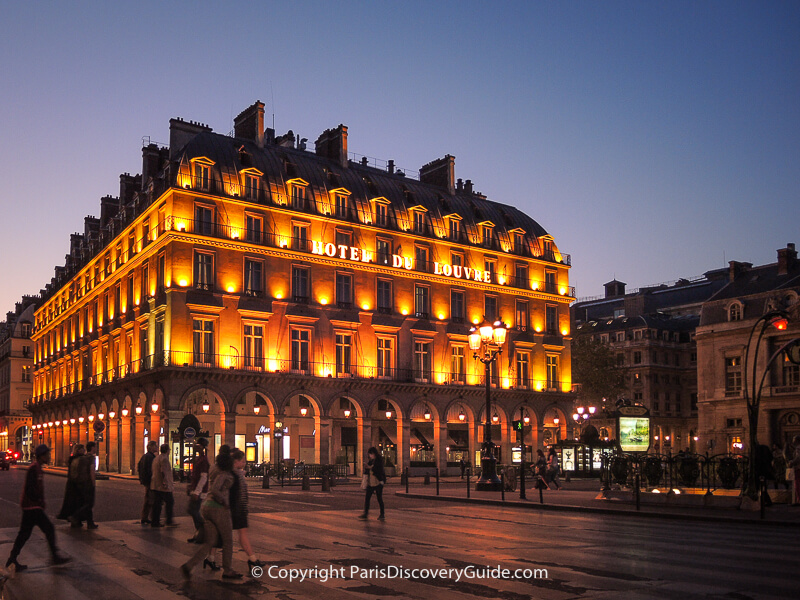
{"x":517,"y":425}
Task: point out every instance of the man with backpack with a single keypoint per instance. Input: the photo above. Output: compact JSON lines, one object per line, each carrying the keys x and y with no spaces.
{"x":145,"y":470}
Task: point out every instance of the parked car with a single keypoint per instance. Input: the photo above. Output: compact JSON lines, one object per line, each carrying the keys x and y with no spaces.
{"x":5,"y":463}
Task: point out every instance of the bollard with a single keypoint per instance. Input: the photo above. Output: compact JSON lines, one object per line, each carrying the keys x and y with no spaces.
{"x":265,"y":479}
{"x":406,"y":474}
{"x":427,"y":479}
{"x":437,"y":481}
{"x":306,"y":483}
{"x":522,"y":495}
{"x":636,"y":488}
{"x":540,"y":485}
{"x":763,"y":494}
{"x":503,"y":486}
{"x":469,"y":472}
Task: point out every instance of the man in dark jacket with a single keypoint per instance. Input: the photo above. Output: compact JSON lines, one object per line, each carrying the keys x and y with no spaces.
{"x":85,"y":484}
{"x":198,"y":487}
{"x":145,"y":470}
{"x":33,"y":514}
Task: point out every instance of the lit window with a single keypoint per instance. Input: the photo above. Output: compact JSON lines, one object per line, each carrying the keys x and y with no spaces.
{"x":421,"y":301}
{"x":457,"y":370}
{"x":300,"y":237}
{"x":252,"y":277}
{"x":523,"y":369}
{"x":203,"y":342}
{"x":422,"y":361}
{"x":202,"y":176}
{"x":254,"y":229}
{"x":385,"y":357}
{"x":203,"y":271}
{"x":343,"y":354}
{"x":301,"y":342}
{"x":254,"y":346}
{"x":203,"y":220}
{"x":551,"y":368}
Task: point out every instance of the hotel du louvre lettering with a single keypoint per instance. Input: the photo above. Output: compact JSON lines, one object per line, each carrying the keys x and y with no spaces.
{"x":399,"y":262}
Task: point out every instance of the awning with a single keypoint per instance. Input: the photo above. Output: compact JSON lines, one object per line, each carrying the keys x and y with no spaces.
{"x":392,"y":438}
{"x":417,"y":439}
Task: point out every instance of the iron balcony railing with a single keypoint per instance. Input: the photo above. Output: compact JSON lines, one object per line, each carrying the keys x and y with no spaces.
{"x":299,"y":366}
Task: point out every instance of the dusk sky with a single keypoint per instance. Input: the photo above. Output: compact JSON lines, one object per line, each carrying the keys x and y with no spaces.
{"x":653,"y":140}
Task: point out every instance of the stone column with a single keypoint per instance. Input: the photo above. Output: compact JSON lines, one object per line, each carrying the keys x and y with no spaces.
{"x":404,"y":445}
{"x":57,"y":455}
{"x":155,"y":428}
{"x":112,"y":445}
{"x":364,"y":434}
{"x":127,"y":457}
{"x":138,"y":437}
{"x":228,"y":422}
{"x":325,"y":433}
{"x":440,"y":445}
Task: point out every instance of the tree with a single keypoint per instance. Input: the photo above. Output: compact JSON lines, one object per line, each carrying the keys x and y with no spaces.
{"x":594,"y":366}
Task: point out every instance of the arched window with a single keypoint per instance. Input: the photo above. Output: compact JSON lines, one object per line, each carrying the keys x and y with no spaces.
{"x":735,"y":312}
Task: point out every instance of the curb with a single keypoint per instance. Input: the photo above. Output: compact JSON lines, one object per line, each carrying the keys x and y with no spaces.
{"x":601,"y":511}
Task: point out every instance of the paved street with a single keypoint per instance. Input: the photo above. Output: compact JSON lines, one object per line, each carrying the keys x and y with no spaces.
{"x":584,"y":555}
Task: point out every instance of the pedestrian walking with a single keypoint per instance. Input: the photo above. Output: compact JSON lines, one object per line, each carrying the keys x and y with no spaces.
{"x":376,"y":478}
{"x":198,"y":488}
{"x":463,"y":465}
{"x":71,"y":501}
{"x":145,"y":471}
{"x":764,"y":470}
{"x":163,"y":486}
{"x":33,"y":515}
{"x":540,"y":467}
{"x":85,"y":483}
{"x":553,"y":469}
{"x":217,"y":516}
{"x":239,"y":508}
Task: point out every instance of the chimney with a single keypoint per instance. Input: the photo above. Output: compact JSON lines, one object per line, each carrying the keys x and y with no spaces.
{"x":128,"y":186}
{"x":441,"y":173}
{"x":150,"y":162}
{"x":332,"y":144}
{"x":787,"y":258}
{"x":459,"y":185}
{"x":181,"y":132}
{"x":736,"y":268}
{"x":468,"y":186}
{"x":249,"y":125}
{"x":390,"y":167}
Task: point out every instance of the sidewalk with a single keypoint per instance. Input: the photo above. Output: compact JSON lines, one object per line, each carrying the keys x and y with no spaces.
{"x":584,"y":496}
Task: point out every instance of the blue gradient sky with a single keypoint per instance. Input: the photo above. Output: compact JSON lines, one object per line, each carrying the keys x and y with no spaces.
{"x":653,"y":140}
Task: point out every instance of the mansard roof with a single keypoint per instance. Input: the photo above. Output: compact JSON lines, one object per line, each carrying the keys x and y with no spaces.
{"x":281,"y":164}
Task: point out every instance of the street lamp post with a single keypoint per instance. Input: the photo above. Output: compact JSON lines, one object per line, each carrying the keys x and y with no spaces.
{"x":486,"y":342}
{"x":777,"y":319}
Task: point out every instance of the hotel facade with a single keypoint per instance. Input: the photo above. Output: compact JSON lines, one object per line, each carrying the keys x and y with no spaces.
{"x":266,"y":288}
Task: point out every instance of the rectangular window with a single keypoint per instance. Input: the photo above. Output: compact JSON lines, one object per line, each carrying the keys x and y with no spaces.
{"x":252,"y":277}
{"x":254,"y":346}
{"x":145,"y":283}
{"x":523,"y":369}
{"x":254,"y":229}
{"x":456,"y":259}
{"x":298,"y":197}
{"x":251,"y":187}
{"x":550,"y":282}
{"x":129,"y":294}
{"x":521,"y":278}
{"x":733,"y":376}
{"x":384,"y":300}
{"x":161,"y":273}
{"x":522,"y":315}
{"x":300,"y":237}
{"x":203,"y":341}
{"x":791,"y":372}
{"x":203,"y":220}
{"x":422,"y":361}
{"x":486,"y":235}
{"x":202,"y":176}
{"x":490,"y":264}
{"x":300,"y":284}
{"x":419,"y":222}
{"x":457,"y":306}
{"x":301,"y":342}
{"x":637,"y":357}
{"x":145,"y":233}
{"x":552,"y":371}
{"x":203,"y":271}
{"x":519,"y":243}
{"x":490,"y":307}
{"x":457,"y":366}
{"x":421,"y":258}
{"x":381,"y":215}
{"x":131,"y":246}
{"x":383,"y":251}
{"x":551,"y":319}
{"x":455,"y":229}
{"x":422,"y":302}
{"x":385,"y":357}
{"x":344,"y":238}
{"x":341,"y":206}
{"x":344,"y":290}
{"x":344,"y":345}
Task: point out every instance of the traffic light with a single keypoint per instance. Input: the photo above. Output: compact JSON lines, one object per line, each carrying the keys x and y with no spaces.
{"x":517,"y":425}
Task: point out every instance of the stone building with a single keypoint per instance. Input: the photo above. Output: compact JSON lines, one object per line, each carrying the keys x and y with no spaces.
{"x":16,"y":377}
{"x":652,"y":333}
{"x":726,"y":323}
{"x":251,"y":281}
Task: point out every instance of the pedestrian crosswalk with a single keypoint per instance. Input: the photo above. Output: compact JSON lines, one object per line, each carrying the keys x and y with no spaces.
{"x":421,"y":553}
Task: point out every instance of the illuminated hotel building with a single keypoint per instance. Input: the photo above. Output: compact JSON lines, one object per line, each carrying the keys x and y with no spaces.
{"x":248,"y":280}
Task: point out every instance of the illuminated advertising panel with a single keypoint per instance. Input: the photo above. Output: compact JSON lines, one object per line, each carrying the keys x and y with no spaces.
{"x":634,"y":434}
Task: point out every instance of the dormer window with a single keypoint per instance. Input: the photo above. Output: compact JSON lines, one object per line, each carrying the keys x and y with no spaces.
{"x":519,"y":243}
{"x":202,"y":175}
{"x":487,"y":233}
{"x":419,"y":222}
{"x":340,"y":203}
{"x":381,"y":215}
{"x":454,"y":227}
{"x":251,"y":183}
{"x":735,"y":312}
{"x":297,"y":193}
